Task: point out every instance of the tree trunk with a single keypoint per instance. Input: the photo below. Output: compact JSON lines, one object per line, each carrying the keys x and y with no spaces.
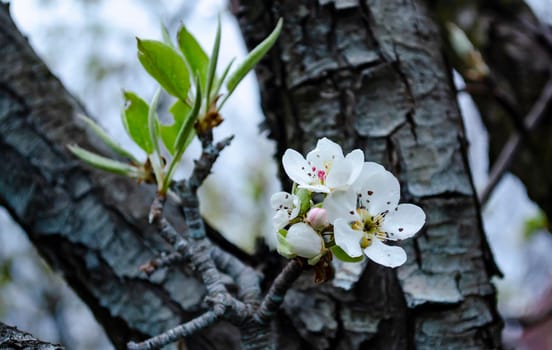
{"x":371,"y":75}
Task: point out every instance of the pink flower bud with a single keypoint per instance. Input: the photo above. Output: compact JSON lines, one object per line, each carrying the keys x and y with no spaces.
{"x":317,"y":218}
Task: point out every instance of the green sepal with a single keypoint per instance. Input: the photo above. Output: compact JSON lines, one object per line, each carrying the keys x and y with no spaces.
{"x":135,"y":121}
{"x":166,"y":66}
{"x":341,"y":255}
{"x":112,"y":144}
{"x":104,"y":163}
{"x":194,"y":54}
{"x":253,"y":58}
{"x":304,"y":200}
{"x":284,"y":248}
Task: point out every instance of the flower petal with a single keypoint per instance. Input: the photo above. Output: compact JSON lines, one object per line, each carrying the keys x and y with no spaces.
{"x":304,"y":241}
{"x":356,"y":161}
{"x":341,"y":204}
{"x":347,"y":238}
{"x":339,"y":175}
{"x":280,"y":219}
{"x":326,"y":151}
{"x":404,"y":222}
{"x":296,"y":167}
{"x":281,"y":199}
{"x":379,"y":191}
{"x":384,"y":254}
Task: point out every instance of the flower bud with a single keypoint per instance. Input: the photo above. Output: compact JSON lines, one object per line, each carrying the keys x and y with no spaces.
{"x":317,"y":218}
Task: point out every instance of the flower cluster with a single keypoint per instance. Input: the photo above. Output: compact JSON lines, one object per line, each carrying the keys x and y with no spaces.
{"x":344,"y":206}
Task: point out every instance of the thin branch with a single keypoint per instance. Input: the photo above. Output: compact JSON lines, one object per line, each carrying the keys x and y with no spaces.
{"x":181,"y":331}
{"x":278,"y":290}
{"x":504,"y":160}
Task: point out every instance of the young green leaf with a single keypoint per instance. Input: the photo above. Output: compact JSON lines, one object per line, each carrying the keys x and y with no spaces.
{"x":193,"y":53}
{"x":188,"y":125}
{"x":152,"y":122}
{"x":211,"y":74}
{"x":135,"y":120}
{"x":221,"y":80}
{"x":114,"y":145}
{"x":104,"y":163}
{"x":253,"y":58}
{"x":166,"y":37}
{"x":166,"y":66}
{"x":168,"y":133}
{"x":341,"y":255}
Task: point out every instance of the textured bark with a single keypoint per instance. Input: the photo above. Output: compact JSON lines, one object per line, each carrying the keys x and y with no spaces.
{"x":368,"y":76}
{"x":371,"y":75}
{"x":88,"y":225}
{"x":13,"y":338}
{"x":518,"y":50}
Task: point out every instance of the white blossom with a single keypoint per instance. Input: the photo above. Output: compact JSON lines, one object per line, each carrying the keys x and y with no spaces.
{"x":325,"y":169}
{"x":368,"y":214}
{"x":287,"y":208}
{"x":301,"y":240}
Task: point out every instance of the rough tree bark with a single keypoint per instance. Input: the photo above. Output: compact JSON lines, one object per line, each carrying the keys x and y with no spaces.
{"x":368,"y":76}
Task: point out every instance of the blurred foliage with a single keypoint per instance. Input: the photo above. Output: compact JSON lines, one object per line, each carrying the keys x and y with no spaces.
{"x":535,"y":224}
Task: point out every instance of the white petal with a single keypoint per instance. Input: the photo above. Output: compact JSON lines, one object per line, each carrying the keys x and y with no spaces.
{"x":404,"y":222}
{"x":356,"y":161}
{"x":380,"y":191}
{"x":369,"y":168}
{"x":339,"y":175}
{"x":316,"y":188}
{"x":326,"y":150}
{"x":281,"y":199}
{"x":341,"y":204}
{"x":304,"y":241}
{"x":386,"y":255}
{"x":296,"y":167}
{"x":296,"y":207}
{"x":347,"y":238}
{"x":280,"y":219}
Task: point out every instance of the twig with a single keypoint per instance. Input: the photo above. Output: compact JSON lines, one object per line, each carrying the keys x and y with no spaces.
{"x":504,"y":160}
{"x":278,"y":290}
{"x":183,"y":330}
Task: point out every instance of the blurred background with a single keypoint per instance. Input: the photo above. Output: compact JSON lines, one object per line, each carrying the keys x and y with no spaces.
{"x":90,"y":46}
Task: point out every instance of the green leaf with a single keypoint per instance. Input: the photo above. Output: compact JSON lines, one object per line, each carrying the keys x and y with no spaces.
{"x":168,"y":133}
{"x":211,"y":74}
{"x":166,"y":66}
{"x":188,"y":126}
{"x":166,"y":37}
{"x":103,"y":163}
{"x":114,"y":145}
{"x":152,"y":122}
{"x":253,"y":58}
{"x":221,"y":80}
{"x":193,"y":53}
{"x":341,"y":255}
{"x":135,"y":120}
